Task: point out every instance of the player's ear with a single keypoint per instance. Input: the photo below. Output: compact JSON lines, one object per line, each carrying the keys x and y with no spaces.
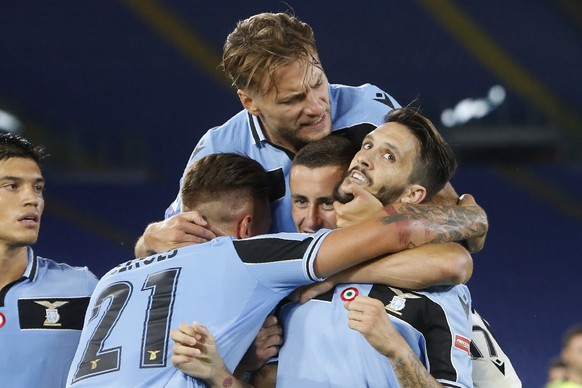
{"x":247,"y":102}
{"x":413,"y":194}
{"x":245,"y":227}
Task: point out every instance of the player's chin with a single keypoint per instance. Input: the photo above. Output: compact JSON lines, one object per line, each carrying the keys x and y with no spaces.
{"x":311,"y":133}
{"x":341,"y":196}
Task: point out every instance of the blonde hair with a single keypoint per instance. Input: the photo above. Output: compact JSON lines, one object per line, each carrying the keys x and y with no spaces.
{"x":263,"y":44}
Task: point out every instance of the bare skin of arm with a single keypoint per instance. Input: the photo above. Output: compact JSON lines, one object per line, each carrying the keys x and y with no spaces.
{"x":415,"y":269}
{"x":368,"y":316}
{"x":365,"y":205}
{"x":422,"y":267}
{"x":395,"y":228}
{"x":175,"y":232}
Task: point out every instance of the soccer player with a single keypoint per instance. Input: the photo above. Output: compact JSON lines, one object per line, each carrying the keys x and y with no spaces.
{"x":406,"y":161}
{"x":274,"y":65}
{"x":42,"y":302}
{"x":229,"y":284}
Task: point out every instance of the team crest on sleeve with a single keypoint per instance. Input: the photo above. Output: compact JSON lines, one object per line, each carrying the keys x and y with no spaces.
{"x":52,"y":313}
{"x":349,"y":294}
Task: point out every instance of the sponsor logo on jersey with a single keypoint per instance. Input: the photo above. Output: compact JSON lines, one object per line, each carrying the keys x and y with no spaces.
{"x":52,"y":313}
{"x":349,"y":294}
{"x":2,"y":319}
{"x":463,"y":343}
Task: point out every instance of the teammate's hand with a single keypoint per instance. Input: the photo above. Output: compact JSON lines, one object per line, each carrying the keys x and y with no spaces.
{"x":473,"y":244}
{"x":177,"y":231}
{"x":306,"y":293}
{"x":265,"y":346}
{"x":368,"y":316}
{"x":362,"y":207}
{"x":195,"y":353}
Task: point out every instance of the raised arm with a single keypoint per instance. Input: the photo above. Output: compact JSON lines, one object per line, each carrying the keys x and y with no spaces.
{"x":179,"y":230}
{"x":365,"y":205}
{"x":396,"y":228}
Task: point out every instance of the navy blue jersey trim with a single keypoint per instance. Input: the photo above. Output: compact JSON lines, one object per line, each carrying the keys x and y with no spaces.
{"x":311,"y":258}
{"x":34,"y":268}
{"x":6,"y":288}
{"x":254,"y":131}
{"x":270,"y":249}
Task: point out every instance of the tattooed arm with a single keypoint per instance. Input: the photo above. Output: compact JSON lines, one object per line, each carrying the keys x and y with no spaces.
{"x":396,"y":228}
{"x":465,"y":222}
{"x":446,"y":206}
{"x":368,"y":316}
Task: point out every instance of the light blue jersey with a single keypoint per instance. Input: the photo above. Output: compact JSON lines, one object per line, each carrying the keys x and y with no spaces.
{"x":41,"y":317}
{"x":227,"y":285}
{"x":355,"y":111}
{"x":320,"y":350}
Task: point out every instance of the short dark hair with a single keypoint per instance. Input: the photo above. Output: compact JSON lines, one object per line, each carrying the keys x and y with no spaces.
{"x":14,"y":146}
{"x":261,"y":45}
{"x":332,"y":150}
{"x":215,"y":175}
{"x":436,"y":162}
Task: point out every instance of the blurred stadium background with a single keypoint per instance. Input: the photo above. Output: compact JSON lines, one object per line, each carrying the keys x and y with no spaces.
{"x":121,"y":91}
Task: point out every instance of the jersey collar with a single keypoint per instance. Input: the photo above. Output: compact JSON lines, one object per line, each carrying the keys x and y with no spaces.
{"x":31,"y":267}
{"x":256,"y":129}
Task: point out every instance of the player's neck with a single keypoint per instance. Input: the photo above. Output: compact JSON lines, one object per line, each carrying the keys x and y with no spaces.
{"x":13,"y":262}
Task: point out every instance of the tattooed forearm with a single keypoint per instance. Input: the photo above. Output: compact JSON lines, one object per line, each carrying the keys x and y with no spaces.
{"x":411,"y":373}
{"x":440,"y":223}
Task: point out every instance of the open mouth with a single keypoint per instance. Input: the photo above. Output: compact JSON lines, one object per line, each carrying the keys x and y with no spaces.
{"x":359,"y":176}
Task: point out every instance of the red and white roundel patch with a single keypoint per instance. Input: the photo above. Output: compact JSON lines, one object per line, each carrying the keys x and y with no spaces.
{"x":2,"y":319}
{"x":349,"y":294}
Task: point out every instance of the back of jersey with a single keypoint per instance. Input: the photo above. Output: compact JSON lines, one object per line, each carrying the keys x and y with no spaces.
{"x":125,"y":340}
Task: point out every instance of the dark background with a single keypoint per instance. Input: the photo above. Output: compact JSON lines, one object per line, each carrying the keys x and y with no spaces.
{"x":121,"y":91}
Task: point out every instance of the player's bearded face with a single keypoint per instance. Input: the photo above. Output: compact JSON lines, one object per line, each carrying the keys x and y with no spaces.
{"x":385,"y":194}
{"x":383,"y":165}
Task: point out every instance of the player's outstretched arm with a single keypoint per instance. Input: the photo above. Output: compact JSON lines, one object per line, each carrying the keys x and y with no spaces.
{"x":396,"y":228}
{"x":195,"y":354}
{"x":426,"y":266}
{"x":365,"y":205}
{"x":177,"y":231}
{"x":368,"y":316}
